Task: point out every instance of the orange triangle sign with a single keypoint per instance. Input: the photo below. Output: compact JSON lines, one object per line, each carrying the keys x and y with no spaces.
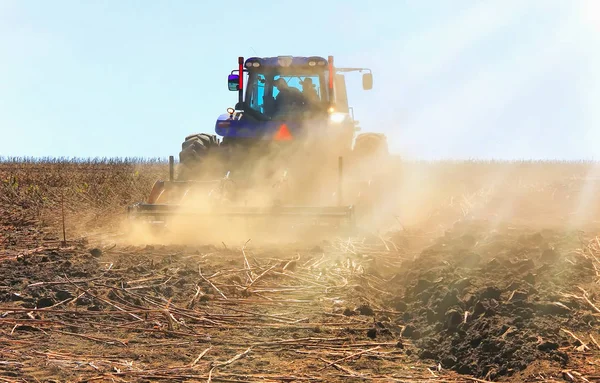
{"x":283,"y":134}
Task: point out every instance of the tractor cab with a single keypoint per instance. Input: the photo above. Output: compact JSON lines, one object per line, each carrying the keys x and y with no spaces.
{"x":281,"y":88}
{"x":286,"y":89}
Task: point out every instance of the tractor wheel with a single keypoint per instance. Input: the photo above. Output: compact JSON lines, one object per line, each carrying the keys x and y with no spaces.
{"x":369,"y":152}
{"x":196,"y":146}
{"x":207,"y":139}
{"x":194,"y":152}
{"x":368,"y":170}
{"x":371,"y":145}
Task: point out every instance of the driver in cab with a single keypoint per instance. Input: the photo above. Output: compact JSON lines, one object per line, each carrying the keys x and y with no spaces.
{"x":287,"y":95}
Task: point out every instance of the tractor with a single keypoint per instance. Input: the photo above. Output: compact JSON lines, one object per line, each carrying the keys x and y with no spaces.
{"x":289,"y":148}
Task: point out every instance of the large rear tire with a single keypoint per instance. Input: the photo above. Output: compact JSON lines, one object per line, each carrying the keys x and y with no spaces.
{"x":370,"y":157}
{"x":194,"y":154}
{"x":370,"y":145}
{"x":197,"y":145}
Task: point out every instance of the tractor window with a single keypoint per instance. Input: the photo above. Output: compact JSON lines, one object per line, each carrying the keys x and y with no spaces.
{"x":263,"y":96}
{"x":256,"y":101}
{"x":310,"y":86}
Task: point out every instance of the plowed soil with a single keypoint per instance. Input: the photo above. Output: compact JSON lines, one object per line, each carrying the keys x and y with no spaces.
{"x":455,"y":297}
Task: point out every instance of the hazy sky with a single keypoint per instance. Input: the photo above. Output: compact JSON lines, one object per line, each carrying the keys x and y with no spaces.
{"x":453,"y":78}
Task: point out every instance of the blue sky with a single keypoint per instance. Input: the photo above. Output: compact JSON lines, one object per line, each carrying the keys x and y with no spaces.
{"x":453,"y":78}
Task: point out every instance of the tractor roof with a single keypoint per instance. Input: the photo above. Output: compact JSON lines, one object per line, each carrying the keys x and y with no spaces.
{"x":285,"y":61}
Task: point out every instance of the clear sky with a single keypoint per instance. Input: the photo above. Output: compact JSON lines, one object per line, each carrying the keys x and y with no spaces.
{"x":452,"y":78}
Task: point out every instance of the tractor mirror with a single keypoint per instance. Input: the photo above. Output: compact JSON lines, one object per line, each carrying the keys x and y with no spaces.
{"x":233,"y":82}
{"x":367,"y":81}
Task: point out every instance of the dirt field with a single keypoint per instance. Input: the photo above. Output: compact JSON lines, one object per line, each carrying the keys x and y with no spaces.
{"x":489,"y":272}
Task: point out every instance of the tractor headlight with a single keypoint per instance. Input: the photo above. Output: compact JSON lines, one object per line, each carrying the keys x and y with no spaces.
{"x":230,"y":110}
{"x":256,"y":64}
{"x":337,"y":117}
{"x":312,"y":63}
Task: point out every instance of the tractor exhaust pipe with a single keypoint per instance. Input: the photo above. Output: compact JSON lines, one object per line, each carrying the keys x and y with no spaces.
{"x":241,"y":81}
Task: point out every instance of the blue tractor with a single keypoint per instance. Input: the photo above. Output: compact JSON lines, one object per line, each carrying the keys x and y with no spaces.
{"x":291,"y":138}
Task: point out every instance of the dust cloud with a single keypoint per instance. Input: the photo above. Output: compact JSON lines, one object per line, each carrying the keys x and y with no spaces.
{"x":387,"y":193}
{"x":306,"y":174}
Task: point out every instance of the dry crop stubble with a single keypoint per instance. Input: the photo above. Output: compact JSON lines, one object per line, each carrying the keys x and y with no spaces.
{"x":485,"y":262}
{"x":95,"y":192}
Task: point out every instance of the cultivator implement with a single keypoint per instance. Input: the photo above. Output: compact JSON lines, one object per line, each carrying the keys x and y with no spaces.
{"x":219,"y":199}
{"x":162,"y":211}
